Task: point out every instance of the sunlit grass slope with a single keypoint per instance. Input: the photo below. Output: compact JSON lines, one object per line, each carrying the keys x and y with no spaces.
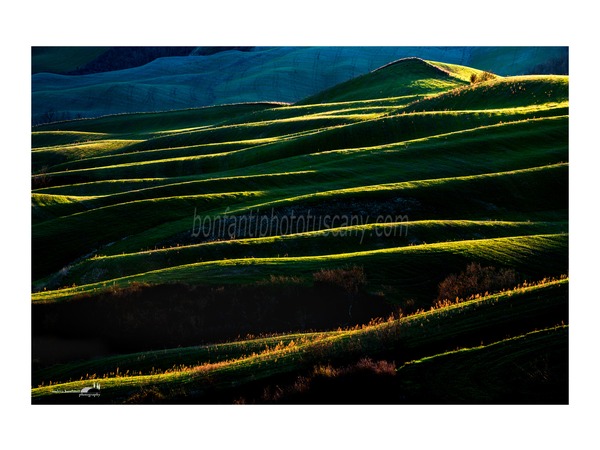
{"x":502,"y":160}
{"x":408,"y":76}
{"x":412,"y":171}
{"x":480,"y":345}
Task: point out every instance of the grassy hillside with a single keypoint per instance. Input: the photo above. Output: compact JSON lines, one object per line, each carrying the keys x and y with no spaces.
{"x":409,"y":76}
{"x":233,"y":371}
{"x":154,"y":233}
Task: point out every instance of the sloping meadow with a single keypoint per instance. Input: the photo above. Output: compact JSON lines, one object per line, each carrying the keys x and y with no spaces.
{"x":158,"y":230}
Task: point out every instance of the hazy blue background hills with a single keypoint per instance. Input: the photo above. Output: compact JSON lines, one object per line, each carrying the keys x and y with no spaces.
{"x":96,"y":81}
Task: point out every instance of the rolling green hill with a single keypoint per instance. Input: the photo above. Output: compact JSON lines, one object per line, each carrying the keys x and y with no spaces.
{"x":153,"y":231}
{"x":220,"y":76}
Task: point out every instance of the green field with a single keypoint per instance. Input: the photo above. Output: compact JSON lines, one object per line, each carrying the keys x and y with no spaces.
{"x":149,"y":246}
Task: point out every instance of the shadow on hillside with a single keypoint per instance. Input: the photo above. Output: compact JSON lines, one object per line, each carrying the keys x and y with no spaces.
{"x":144,"y":317}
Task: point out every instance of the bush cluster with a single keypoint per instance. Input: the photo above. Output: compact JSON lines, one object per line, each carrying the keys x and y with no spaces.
{"x":349,"y":279}
{"x":476,"y":279}
{"x":483,"y":76}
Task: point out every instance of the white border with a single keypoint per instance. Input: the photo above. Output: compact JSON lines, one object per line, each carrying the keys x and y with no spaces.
{"x":302,"y":23}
